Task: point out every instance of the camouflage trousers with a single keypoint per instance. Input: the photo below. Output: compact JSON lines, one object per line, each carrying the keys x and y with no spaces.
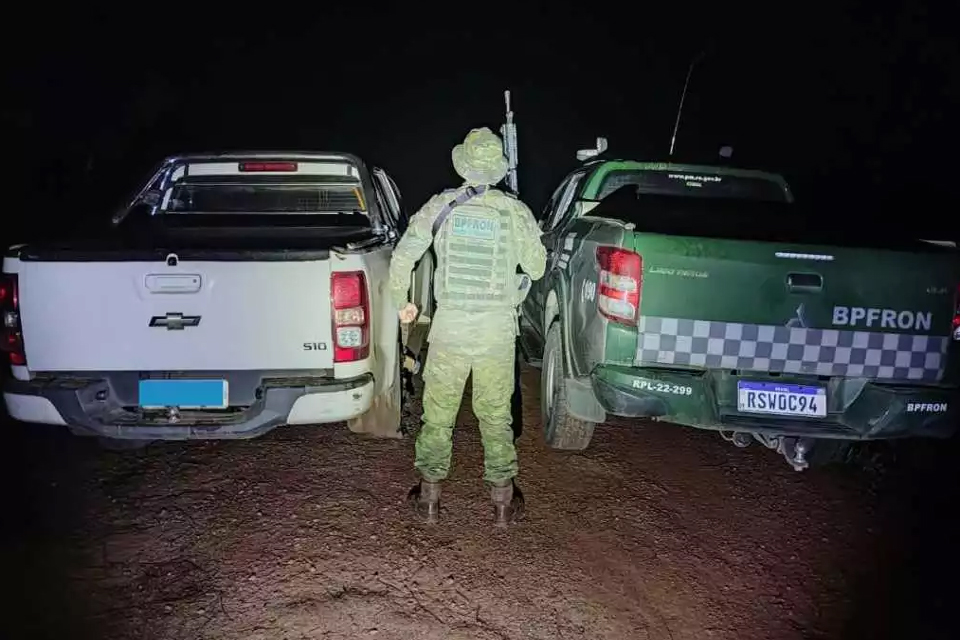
{"x":444,"y":379}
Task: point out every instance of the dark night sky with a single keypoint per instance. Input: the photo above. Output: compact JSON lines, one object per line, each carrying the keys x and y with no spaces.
{"x":848,"y":104}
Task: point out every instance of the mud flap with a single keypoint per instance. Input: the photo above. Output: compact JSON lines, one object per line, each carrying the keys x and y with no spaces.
{"x":582,"y":401}
{"x":382,"y":419}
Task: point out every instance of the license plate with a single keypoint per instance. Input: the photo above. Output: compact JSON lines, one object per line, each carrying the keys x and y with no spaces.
{"x":185,"y":394}
{"x":778,"y":399}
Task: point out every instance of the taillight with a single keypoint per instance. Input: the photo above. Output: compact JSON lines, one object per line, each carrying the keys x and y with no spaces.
{"x":956,"y":316}
{"x":621,"y":280}
{"x":351,"y":316}
{"x":12,"y":342}
{"x":268,"y":167}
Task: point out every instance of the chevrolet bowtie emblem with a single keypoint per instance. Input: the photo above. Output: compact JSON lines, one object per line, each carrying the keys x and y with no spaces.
{"x":174,"y":321}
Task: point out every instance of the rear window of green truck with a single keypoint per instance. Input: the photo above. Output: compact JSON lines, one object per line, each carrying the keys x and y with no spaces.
{"x":693,"y":184}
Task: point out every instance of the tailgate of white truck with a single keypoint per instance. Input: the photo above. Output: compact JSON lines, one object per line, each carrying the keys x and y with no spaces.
{"x":147,"y":316}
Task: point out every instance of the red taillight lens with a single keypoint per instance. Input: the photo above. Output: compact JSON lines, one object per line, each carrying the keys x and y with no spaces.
{"x":621,"y":281}
{"x":12,"y":342}
{"x":347,"y":289}
{"x":351,"y":316}
{"x":7,"y":288}
{"x":250,"y":167}
{"x":956,"y":316}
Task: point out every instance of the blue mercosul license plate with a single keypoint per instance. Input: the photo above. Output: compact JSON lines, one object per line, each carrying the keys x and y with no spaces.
{"x":778,"y":399}
{"x":185,"y":394}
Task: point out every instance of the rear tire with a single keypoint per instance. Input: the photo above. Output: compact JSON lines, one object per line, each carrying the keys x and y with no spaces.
{"x":560,"y":429}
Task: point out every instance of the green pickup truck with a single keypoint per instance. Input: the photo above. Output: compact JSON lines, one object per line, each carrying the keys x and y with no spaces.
{"x":702,"y":296}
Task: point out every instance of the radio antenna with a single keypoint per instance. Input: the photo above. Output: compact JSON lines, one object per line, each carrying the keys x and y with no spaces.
{"x":686,"y":83}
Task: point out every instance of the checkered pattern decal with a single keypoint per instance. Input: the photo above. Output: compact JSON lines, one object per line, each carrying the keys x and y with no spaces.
{"x":829,"y":352}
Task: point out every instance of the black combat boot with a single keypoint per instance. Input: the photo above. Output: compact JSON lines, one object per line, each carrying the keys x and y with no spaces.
{"x":508,"y":504}
{"x":424,"y":497}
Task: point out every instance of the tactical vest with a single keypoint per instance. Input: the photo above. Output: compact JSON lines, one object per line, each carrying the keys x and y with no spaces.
{"x":477,"y":253}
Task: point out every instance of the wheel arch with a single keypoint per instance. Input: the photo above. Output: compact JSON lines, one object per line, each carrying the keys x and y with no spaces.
{"x":584,"y":403}
{"x":555,"y":309}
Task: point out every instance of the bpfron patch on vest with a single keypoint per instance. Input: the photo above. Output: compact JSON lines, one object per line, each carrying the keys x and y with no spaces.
{"x":474,"y":227}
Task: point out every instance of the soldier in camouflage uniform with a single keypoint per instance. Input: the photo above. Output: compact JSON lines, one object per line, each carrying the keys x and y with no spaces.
{"x":481,"y":235}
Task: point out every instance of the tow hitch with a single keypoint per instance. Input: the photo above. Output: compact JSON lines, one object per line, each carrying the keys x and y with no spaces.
{"x":794,"y":450}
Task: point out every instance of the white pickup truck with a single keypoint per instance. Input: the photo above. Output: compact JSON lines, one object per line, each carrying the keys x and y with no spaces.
{"x":235,"y":293}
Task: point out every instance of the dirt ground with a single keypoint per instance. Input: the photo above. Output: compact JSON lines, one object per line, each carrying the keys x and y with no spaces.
{"x":655,"y":532}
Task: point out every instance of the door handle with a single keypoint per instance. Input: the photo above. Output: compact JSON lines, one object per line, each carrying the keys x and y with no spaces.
{"x":804,"y":282}
{"x":173,"y":283}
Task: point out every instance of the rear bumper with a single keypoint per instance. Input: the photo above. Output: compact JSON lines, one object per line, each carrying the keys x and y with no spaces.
{"x":102,"y":406}
{"x":857,"y":409}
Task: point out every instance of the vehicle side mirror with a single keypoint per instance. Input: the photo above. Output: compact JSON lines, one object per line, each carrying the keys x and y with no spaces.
{"x":139,"y":210}
{"x":586,"y":206}
{"x":148,"y":200}
{"x":586,"y":154}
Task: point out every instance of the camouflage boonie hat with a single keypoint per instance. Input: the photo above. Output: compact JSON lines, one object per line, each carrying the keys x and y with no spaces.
{"x":479,"y":159}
